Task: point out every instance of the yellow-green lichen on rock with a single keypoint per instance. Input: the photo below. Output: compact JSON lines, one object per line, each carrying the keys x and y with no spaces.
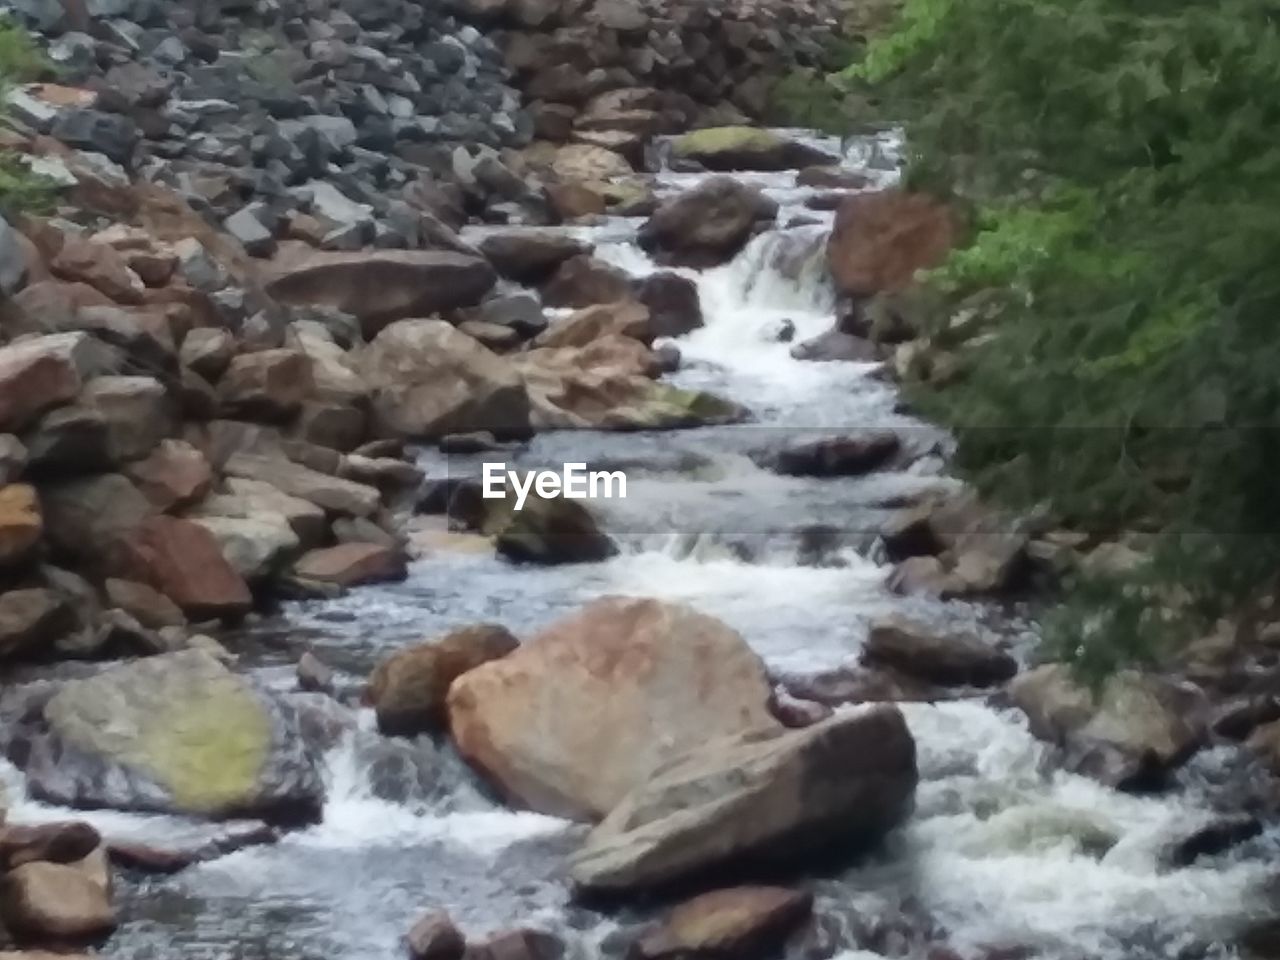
{"x":714,"y":140}
{"x":178,"y":732}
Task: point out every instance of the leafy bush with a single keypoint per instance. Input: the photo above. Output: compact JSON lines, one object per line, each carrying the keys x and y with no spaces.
{"x":20,"y":59}
{"x":1123,"y":157}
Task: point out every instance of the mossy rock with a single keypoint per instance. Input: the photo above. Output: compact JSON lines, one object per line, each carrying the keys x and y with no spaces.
{"x":175,"y":733}
{"x":746,"y":148}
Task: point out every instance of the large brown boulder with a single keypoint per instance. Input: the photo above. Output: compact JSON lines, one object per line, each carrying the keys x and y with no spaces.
{"x":881,"y":239}
{"x":408,"y":689}
{"x":53,"y":901}
{"x":763,"y":798}
{"x":742,"y":923}
{"x":183,"y":561}
{"x":674,"y":306}
{"x":707,"y":225}
{"x":585,"y":280}
{"x":429,"y":380}
{"x":585,"y":711}
{"x":382,"y":286}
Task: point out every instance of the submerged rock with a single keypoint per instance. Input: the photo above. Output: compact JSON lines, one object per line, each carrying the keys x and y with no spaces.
{"x":761,"y":799}
{"x":584,"y":712}
{"x":175,"y":733}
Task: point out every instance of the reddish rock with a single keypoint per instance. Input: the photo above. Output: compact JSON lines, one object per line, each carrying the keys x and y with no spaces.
{"x":744,"y":923}
{"x":435,"y":937}
{"x":45,"y":372}
{"x":175,"y":475}
{"x":183,"y":561}
{"x":881,"y":239}
{"x":98,"y":265}
{"x":351,"y":564}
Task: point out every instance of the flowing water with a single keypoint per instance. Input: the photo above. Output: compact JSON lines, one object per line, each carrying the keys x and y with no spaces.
{"x":1002,"y":851}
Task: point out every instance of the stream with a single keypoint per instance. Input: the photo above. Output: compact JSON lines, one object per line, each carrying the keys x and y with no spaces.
{"x":1003,"y":851}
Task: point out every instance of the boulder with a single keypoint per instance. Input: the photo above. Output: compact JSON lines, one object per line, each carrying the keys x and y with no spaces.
{"x":837,"y":456}
{"x":53,"y":901}
{"x":352,"y":564}
{"x":584,"y":712}
{"x":269,"y":385}
{"x":173,"y":476}
{"x":21,"y":523}
{"x":707,"y":225}
{"x":623,"y":318}
{"x":184,"y":561}
{"x":674,"y":307}
{"x":550,"y":530}
{"x":530,"y":257}
{"x":382,"y":286}
{"x":836,"y":346}
{"x":881,"y":239}
{"x":429,"y":380}
{"x":136,"y":411}
{"x":32,"y":619}
{"x":176,"y":733}
{"x":257,"y":548}
{"x":746,"y":148}
{"x":764,"y":798}
{"x":85,"y":517}
{"x":583,"y":281}
{"x":744,"y":923}
{"x":435,"y":937}
{"x":1127,"y":736}
{"x":47,"y":371}
{"x":949,"y":660}
{"x":334,"y":494}
{"x":408,"y":689}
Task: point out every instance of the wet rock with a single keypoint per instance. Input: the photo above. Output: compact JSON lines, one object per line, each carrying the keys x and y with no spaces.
{"x":746,"y":148}
{"x":583,"y":280}
{"x":430,"y":380}
{"x":518,"y":945}
{"x":763,"y":798}
{"x":408,"y":689}
{"x":881,"y":239}
{"x":796,"y":713}
{"x":549,"y":530}
{"x":530,"y":257}
{"x":1212,"y":839}
{"x":173,"y":476}
{"x":836,"y":346}
{"x":67,"y":841}
{"x":21,"y":523}
{"x":1128,"y":736}
{"x":623,"y":318}
{"x":837,"y":456}
{"x":435,"y":937}
{"x":707,"y":225}
{"x":52,"y":901}
{"x":174,"y":733}
{"x":46,"y":371}
{"x":746,"y":923}
{"x":382,"y":286}
{"x":268,"y":385}
{"x":674,"y":307}
{"x":315,"y":676}
{"x":585,"y":711}
{"x":352,"y":564}
{"x":183,"y":561}
{"x":944,"y":659}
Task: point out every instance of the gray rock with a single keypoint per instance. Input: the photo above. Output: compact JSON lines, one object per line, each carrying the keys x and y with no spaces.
{"x":112,"y":135}
{"x":249,"y":230}
{"x":13,"y":259}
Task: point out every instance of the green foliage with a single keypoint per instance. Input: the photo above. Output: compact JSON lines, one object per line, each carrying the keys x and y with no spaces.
{"x":22,"y":191}
{"x":20,"y":59}
{"x":1123,"y":156}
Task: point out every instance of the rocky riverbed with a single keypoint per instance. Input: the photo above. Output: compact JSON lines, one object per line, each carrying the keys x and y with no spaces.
{"x":280,"y":681}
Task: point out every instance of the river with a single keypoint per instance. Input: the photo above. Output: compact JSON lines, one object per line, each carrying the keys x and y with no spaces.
{"x":1003,"y":851}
